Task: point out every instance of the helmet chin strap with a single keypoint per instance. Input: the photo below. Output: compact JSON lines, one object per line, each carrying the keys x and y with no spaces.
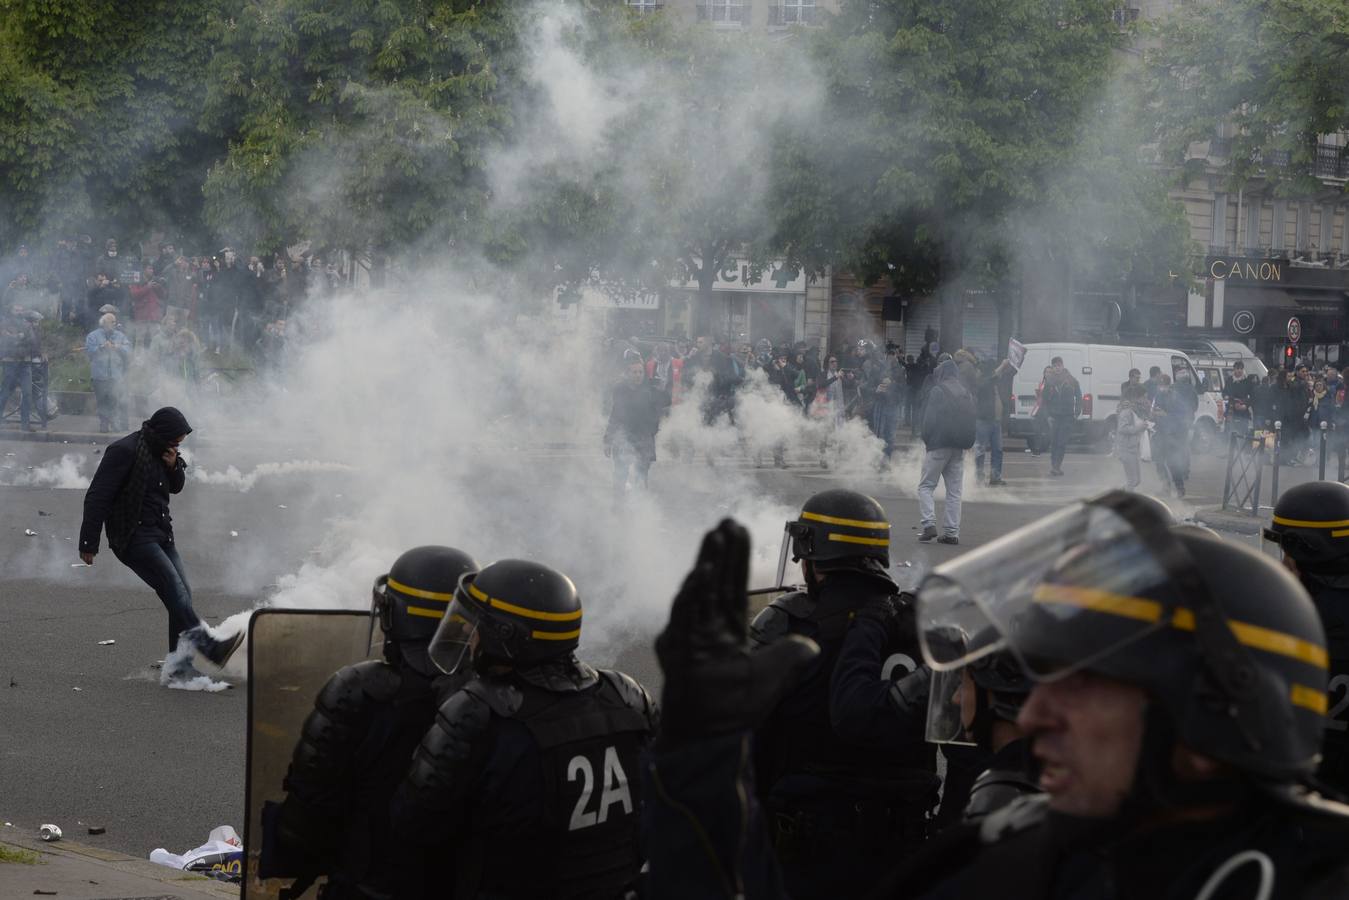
{"x":1156,"y":787}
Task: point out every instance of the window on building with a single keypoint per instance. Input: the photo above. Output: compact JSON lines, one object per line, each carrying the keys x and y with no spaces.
{"x":792,"y":12}
{"x":1218,"y":234}
{"x":724,"y":12}
{"x":1253,"y":228}
{"x":644,"y":7}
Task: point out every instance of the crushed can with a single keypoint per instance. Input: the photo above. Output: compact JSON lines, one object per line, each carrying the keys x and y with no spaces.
{"x":50,"y":833}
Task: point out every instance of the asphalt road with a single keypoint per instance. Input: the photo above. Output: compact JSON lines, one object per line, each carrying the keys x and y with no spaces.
{"x":90,"y":738}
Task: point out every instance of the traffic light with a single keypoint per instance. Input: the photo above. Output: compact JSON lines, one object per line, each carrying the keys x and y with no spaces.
{"x":1288,"y":352}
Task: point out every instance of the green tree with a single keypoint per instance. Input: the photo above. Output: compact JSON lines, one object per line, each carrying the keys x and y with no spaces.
{"x":361,"y":125}
{"x":98,"y":103}
{"x":960,"y":155}
{"x":1270,"y":71}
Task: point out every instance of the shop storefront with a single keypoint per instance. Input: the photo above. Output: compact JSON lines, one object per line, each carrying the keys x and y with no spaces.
{"x":1252,"y":300}
{"x":745,"y":307}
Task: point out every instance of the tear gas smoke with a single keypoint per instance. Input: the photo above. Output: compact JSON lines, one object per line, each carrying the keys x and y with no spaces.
{"x":233,"y":478}
{"x":63,"y":474}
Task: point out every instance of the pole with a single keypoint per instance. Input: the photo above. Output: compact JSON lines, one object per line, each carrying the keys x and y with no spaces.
{"x":1321,"y":455}
{"x":1278,"y":456}
{"x":1231,"y":461}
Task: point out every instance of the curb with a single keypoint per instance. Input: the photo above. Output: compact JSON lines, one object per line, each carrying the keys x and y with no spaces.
{"x":57,"y":437}
{"x":1230,"y":520}
{"x":99,"y":858}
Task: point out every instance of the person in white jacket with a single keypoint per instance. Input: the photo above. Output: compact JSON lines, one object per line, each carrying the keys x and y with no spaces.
{"x":1130,"y":423}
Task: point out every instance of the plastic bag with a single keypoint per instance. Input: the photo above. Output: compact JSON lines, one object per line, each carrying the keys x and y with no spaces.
{"x":221,"y":857}
{"x":1145,"y":445}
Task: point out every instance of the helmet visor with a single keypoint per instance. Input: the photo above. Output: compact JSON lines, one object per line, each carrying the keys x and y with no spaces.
{"x":1060,"y":594}
{"x":945,"y":724}
{"x":379,"y":612}
{"x":451,"y":647}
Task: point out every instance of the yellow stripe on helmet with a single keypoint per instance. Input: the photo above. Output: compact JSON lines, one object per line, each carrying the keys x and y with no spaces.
{"x":1311,"y":523}
{"x":555,"y":635}
{"x":418,"y":592}
{"x":1266,"y":639}
{"x":482,"y":597}
{"x":1142,"y":609}
{"x":1308,"y":698}
{"x":848,"y":523}
{"x":428,"y":613}
{"x":1136,"y":608}
{"x":853,"y":539}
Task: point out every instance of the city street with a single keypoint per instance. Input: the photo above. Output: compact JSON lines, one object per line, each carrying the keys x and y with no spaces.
{"x":91,"y":737}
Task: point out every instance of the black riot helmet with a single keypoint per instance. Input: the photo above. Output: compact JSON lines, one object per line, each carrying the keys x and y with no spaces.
{"x":1001,"y":686}
{"x":514,"y":613}
{"x":1311,"y":525}
{"x":837,"y":527}
{"x":1226,"y":643}
{"x":410,"y":601}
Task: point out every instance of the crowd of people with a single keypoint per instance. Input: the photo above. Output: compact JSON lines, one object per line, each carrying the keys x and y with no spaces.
{"x":878,"y":387}
{"x":1302,"y":401}
{"x":150,"y":313}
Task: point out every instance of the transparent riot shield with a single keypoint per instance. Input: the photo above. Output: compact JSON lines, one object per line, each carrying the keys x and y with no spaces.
{"x":761,"y":597}
{"x":291,"y":654}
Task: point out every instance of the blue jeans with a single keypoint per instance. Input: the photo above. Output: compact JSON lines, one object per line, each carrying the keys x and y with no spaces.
{"x":112,"y":411}
{"x":158,"y":565}
{"x":19,"y":375}
{"x":988,"y":439}
{"x":886,"y":417}
{"x":1060,"y":430}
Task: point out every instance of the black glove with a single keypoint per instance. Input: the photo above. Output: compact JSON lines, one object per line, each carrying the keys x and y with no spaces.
{"x":713,"y":684}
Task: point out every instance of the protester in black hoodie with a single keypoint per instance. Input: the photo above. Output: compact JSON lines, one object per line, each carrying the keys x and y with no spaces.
{"x":130,"y":495}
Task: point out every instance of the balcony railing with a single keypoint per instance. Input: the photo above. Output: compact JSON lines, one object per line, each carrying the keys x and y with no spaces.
{"x":645,"y":9}
{"x":784,"y":14}
{"x":1331,"y":162}
{"x":724,"y":13}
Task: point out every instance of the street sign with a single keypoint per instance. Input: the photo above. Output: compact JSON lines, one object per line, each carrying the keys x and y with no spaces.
{"x":1294,"y":330}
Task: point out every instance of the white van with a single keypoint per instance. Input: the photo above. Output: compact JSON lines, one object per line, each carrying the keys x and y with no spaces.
{"x":1101,"y":369}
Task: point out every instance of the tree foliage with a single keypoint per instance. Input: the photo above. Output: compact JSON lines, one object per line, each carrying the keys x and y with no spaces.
{"x":1271,"y":71}
{"x":363,"y":124}
{"x":956,"y":151}
{"x":98,"y":102}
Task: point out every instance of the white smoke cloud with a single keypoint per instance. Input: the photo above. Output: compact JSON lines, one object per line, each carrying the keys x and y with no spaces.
{"x":65,"y":473}
{"x":231,"y":477}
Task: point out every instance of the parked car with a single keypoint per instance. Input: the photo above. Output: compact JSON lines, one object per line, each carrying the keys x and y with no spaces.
{"x":1101,"y":369}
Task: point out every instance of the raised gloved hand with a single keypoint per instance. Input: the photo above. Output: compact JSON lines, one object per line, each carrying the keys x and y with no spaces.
{"x":713,"y":684}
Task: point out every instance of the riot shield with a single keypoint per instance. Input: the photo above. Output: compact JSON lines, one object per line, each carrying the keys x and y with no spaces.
{"x":291,"y":654}
{"x":762,"y":597}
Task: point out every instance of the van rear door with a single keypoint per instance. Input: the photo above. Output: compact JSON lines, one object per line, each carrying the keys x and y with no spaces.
{"x":1110,"y":369}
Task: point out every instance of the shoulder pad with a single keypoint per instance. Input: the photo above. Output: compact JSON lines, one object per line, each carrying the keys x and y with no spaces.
{"x":632,"y":693}
{"x":775,"y":620}
{"x":344,"y":695}
{"x":500,"y":697}
{"x":994,"y":789}
{"x":379,"y":680}
{"x":1020,"y":815}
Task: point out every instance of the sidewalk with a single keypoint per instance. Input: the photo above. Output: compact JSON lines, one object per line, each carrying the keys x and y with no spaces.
{"x":68,"y":428}
{"x":71,"y":871}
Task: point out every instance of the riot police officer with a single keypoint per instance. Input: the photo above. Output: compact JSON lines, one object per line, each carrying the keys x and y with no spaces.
{"x":1177,"y":709}
{"x":978,"y":704}
{"x":843,"y":766}
{"x":526,"y":784}
{"x":1311,"y":527}
{"x":356,"y":744}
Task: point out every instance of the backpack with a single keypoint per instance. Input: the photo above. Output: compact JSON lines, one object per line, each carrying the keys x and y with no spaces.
{"x":953,"y":416}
